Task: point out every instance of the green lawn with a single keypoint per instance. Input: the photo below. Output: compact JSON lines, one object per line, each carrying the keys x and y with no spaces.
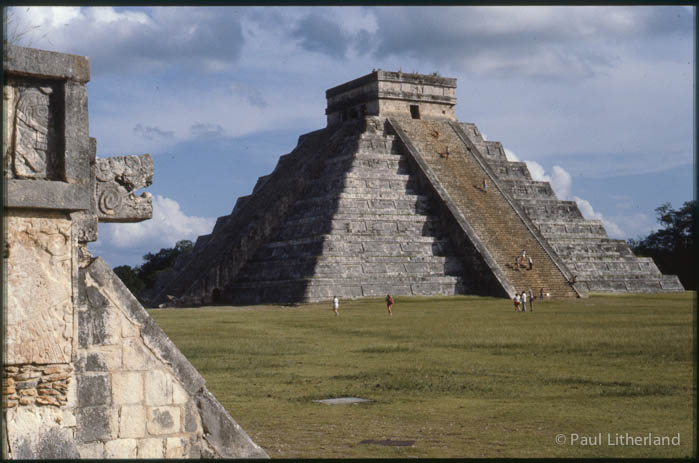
{"x":460,"y":376}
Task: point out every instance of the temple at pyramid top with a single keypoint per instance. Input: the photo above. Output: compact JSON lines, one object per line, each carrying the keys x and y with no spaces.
{"x":386,"y":94}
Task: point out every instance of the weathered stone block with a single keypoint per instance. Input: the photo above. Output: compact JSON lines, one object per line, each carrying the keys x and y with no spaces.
{"x":179,"y":395}
{"x":94,"y":423}
{"x":176,"y":447}
{"x":94,"y":390}
{"x":92,"y":361}
{"x":151,"y":448}
{"x":35,"y":435}
{"x":127,"y":387}
{"x":121,"y":448}
{"x":159,"y":388}
{"x":39,"y":317}
{"x":163,"y":420}
{"x":98,"y":325}
{"x":132,"y":421}
{"x":92,"y":450}
{"x":223,"y":433}
{"x":128,"y":329}
{"x":136,"y":356}
{"x":117,"y":177}
{"x":191,"y":418}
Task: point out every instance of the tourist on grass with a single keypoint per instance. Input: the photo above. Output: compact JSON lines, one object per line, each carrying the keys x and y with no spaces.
{"x":389,"y":303}
{"x":524,"y":301}
{"x":336,"y":305}
{"x":516,"y":302}
{"x":531,"y":300}
{"x":541,"y":294}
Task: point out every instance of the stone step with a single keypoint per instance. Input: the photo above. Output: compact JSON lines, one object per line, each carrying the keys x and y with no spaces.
{"x":293,"y":249}
{"x":558,"y":210}
{"x":532,"y":190}
{"x":582,"y":249}
{"x":322,"y":289}
{"x":334,"y":184}
{"x":473,"y":133}
{"x":369,"y":230}
{"x":450,"y":261}
{"x":581,"y":237}
{"x":506,"y":170}
{"x":342,"y":222}
{"x":638,"y":285}
{"x":390,"y":163}
{"x":378,"y":144}
{"x":368,"y":280}
{"x":385,"y":175}
{"x":639,"y":266}
{"x":302,"y":268}
{"x":319,"y":206}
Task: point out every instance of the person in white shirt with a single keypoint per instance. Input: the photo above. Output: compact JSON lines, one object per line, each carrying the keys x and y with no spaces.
{"x":336,"y":305}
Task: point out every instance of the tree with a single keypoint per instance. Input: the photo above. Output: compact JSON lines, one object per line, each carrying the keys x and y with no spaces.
{"x":162,"y":261}
{"x":17,"y":31}
{"x":141,"y":278}
{"x":129,"y":275}
{"x":672,"y":247}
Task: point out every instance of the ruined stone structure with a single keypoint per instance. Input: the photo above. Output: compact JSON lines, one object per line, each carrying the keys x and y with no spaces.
{"x":86,"y":371}
{"x":389,"y":198}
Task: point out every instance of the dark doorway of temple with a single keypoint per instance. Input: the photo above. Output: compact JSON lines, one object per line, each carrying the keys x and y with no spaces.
{"x":415,"y":111}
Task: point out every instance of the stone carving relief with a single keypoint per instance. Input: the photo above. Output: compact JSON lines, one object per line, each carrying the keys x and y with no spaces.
{"x":117,"y":178}
{"x":33,"y":150}
{"x":39,"y":320}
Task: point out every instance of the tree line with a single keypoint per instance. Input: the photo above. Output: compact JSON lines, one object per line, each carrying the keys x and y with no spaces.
{"x":672,"y":247}
{"x":140,"y":279}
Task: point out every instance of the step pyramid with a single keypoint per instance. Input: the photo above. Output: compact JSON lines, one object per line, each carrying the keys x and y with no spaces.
{"x":373,"y":205}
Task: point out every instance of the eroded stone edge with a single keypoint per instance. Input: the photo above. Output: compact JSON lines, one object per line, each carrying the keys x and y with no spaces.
{"x":220,"y":429}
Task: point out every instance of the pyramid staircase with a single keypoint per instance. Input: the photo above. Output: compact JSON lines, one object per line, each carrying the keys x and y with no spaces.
{"x":491,"y":217}
{"x":601,"y":264}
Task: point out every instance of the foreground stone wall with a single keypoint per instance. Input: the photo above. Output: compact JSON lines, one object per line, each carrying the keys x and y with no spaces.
{"x":86,"y":371}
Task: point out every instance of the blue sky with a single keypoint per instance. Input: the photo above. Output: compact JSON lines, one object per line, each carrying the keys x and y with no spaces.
{"x":597,"y":100}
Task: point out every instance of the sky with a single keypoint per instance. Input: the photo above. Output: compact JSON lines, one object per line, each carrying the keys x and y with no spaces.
{"x":597,"y":100}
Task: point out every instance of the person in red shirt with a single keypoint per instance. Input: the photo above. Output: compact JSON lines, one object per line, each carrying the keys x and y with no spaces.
{"x":389,"y":303}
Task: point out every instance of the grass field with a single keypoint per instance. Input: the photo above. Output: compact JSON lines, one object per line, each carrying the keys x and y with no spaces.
{"x":459,"y":376}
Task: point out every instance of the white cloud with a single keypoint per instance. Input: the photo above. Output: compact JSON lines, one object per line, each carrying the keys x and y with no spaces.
{"x":140,"y":40}
{"x":638,"y":225}
{"x":613,"y":230}
{"x":537,"y":171}
{"x":561,"y":182}
{"x":510,"y":155}
{"x":168,"y":225}
{"x":551,"y":42}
